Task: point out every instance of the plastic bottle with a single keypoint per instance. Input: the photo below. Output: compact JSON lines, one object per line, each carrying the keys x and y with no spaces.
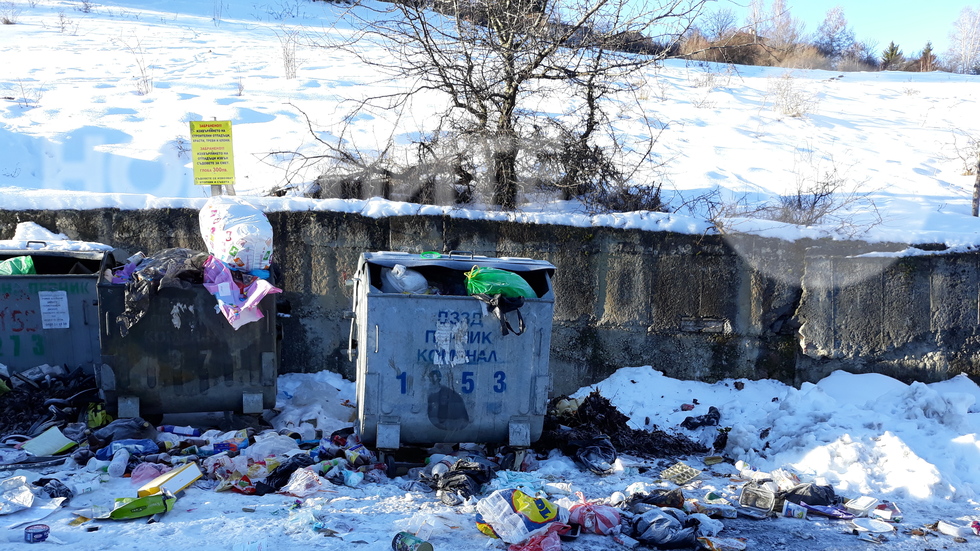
{"x":180,"y":460}
{"x":439,"y":465}
{"x":97,"y":465}
{"x":81,"y":486}
{"x":120,"y":460}
{"x":175,"y":429}
{"x":157,"y":458}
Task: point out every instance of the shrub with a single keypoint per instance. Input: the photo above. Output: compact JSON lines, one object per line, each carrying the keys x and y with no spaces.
{"x":788,"y":99}
{"x":804,"y":57}
{"x":9,"y":13}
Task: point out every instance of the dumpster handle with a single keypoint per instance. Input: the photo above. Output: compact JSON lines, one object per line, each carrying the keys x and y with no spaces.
{"x":377,"y":336}
{"x":461,"y":253}
{"x":353,"y":320}
{"x":350,"y":342}
{"x":42,"y":243}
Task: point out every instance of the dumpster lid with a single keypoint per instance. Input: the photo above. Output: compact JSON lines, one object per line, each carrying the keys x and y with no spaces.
{"x":80,"y":254}
{"x":457,"y":260}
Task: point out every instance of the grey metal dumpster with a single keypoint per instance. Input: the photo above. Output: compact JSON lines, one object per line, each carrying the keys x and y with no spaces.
{"x":184,"y":357}
{"x":437,"y":368}
{"x":51,"y":317}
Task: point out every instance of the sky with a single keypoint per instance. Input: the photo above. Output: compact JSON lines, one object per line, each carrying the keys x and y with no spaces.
{"x":88,"y":139}
{"x":878,"y":21}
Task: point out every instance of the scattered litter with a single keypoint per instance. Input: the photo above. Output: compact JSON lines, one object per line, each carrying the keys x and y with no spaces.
{"x":679,"y":473}
{"x":871,"y":525}
{"x":708,"y":419}
{"x":887,"y":511}
{"x":757,"y":497}
{"x":792,"y":510}
{"x":860,"y":507}
{"x":951,"y":529}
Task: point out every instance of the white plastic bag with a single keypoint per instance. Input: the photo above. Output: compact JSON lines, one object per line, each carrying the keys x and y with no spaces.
{"x":403,"y":280}
{"x":236,"y":233}
{"x":302,"y":483}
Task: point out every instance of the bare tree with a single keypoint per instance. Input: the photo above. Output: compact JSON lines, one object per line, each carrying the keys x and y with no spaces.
{"x":964,"y":53}
{"x":719,"y":24}
{"x":786,"y":31}
{"x":834,"y":38}
{"x":757,"y":21}
{"x":493,"y":59}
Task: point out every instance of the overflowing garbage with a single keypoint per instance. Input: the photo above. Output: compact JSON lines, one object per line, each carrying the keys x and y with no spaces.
{"x":664,"y":507}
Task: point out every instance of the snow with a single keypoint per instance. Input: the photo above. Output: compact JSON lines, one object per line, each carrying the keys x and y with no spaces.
{"x":78,"y":135}
{"x":78,"y":122}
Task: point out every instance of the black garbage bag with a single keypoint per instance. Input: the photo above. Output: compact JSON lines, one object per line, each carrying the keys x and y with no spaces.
{"x":595,"y":454}
{"x":462,"y":481}
{"x":812,"y":494}
{"x":54,"y":488}
{"x":708,"y":419}
{"x":121,"y":429}
{"x":500,"y":306}
{"x":179,"y":268}
{"x":666,"y":529}
{"x":659,"y":498}
{"x":280,"y":475}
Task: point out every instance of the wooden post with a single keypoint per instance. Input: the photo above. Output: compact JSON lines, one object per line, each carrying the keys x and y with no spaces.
{"x":976,"y":190}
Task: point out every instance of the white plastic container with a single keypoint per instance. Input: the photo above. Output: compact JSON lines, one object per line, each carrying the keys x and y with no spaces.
{"x":860,"y":507}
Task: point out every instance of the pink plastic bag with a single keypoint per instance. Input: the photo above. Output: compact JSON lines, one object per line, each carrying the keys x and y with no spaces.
{"x":548,"y":541}
{"x":239,"y":306}
{"x":145,"y":472}
{"x":594,"y":518}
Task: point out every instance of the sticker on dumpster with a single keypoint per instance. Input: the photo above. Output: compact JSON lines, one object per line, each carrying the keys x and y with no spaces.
{"x":459,"y":338}
{"x":449,"y":338}
{"x":178,"y":311}
{"x":54,"y":309}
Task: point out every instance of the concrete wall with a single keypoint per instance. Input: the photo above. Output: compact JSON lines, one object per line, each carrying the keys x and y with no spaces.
{"x":695,"y":307}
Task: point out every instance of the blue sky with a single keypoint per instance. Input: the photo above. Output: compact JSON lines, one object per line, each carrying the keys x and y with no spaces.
{"x":910,"y":25}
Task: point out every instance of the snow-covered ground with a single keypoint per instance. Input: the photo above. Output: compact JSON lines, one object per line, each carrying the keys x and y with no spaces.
{"x":915,"y":445}
{"x":79,"y":134}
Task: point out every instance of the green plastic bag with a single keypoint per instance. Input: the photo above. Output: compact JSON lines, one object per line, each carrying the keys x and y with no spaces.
{"x":18,"y":265}
{"x":494,"y":281}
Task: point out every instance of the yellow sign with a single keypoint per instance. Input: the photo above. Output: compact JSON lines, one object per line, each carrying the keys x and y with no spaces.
{"x":211,"y":151}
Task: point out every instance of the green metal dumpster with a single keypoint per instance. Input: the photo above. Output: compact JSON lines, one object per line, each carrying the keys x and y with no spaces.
{"x":50,"y":317}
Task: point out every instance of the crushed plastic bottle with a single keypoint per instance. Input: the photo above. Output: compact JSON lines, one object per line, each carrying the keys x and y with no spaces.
{"x":120,"y":460}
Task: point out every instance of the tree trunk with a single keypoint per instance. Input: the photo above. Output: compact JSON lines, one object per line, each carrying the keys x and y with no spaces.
{"x":976,"y":191}
{"x":505,"y":176}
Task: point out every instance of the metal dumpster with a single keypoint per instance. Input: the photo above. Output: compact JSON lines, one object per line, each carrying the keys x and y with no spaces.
{"x":184,"y":357}
{"x":50,"y":317}
{"x":436,"y":367}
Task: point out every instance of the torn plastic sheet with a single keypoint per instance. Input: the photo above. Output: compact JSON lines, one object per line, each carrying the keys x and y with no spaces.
{"x":238,"y":305}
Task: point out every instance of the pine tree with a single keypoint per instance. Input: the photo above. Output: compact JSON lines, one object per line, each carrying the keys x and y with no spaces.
{"x":892,"y":57}
{"x":927,"y":61}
